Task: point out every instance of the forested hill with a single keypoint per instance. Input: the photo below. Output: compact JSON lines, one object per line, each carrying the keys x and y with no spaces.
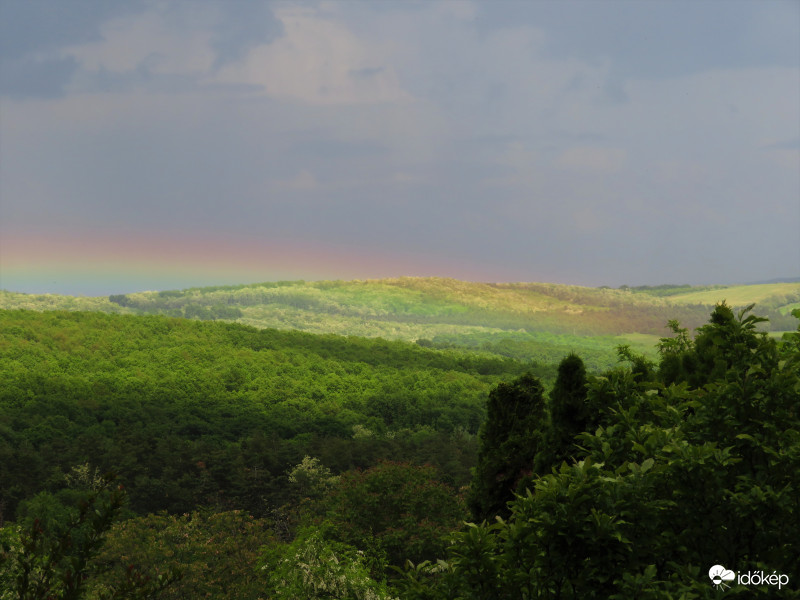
{"x":526,"y":321}
{"x":154,"y":397}
{"x":409,"y":307}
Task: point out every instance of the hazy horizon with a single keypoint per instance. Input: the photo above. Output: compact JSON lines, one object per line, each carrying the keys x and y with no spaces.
{"x":111,"y":286}
{"x":163,"y":145}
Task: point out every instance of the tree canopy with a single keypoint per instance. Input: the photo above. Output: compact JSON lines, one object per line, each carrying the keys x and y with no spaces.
{"x":697,"y":466}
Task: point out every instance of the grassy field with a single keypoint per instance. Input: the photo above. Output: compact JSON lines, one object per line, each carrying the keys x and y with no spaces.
{"x":742,"y":295}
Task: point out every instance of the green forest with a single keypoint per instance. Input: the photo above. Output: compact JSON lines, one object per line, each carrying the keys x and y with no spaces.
{"x":421,"y":439}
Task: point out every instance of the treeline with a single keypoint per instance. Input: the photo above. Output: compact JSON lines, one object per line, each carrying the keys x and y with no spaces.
{"x":188,"y":310}
{"x":610,"y":316}
{"x":669,"y":289}
{"x":598,"y":352}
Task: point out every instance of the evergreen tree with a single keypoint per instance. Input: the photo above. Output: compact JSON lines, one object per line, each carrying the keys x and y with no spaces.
{"x":569,"y":414}
{"x":509,"y":441}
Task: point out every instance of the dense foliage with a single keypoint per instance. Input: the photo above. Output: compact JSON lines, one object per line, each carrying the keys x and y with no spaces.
{"x":211,"y":554}
{"x":266,"y":464}
{"x":692,"y":466}
{"x":195,"y":413}
{"x":54,"y":555}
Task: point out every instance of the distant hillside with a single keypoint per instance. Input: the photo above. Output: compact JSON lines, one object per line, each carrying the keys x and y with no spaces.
{"x":769,"y":297}
{"x":779,"y":296}
{"x":527,"y":321}
{"x":776,"y":280}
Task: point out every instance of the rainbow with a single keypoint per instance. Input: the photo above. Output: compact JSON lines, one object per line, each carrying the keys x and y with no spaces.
{"x":98,"y":263}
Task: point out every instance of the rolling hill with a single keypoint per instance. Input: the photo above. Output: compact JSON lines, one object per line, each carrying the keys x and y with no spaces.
{"x":526,"y":321}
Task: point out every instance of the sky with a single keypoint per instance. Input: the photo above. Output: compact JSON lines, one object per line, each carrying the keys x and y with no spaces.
{"x":160,"y":145}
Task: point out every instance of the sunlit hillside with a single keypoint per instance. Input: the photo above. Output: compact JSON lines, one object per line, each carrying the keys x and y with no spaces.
{"x":782,"y":296}
{"x":526,"y":321}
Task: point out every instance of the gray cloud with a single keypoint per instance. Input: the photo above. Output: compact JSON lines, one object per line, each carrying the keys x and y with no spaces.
{"x":659,"y":38}
{"x":241,"y":26}
{"x":785,"y":145}
{"x":313,"y":144}
{"x":32,"y":33}
{"x":44,"y":78}
{"x":366,"y":73}
{"x":28,"y":27}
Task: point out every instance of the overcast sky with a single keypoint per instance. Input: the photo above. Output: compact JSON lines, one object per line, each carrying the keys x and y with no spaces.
{"x":148,"y":144}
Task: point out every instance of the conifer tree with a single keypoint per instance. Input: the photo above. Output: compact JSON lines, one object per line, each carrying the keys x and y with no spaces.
{"x":569,"y":414}
{"x":509,"y":441}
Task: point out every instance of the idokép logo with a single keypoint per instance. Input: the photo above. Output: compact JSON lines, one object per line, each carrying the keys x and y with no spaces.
{"x":720,"y":576}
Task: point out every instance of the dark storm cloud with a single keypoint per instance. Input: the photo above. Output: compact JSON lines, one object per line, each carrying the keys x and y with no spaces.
{"x":31,"y":26}
{"x":657,"y":38}
{"x":33,"y":35}
{"x":242,"y":25}
{"x":23,"y":77}
{"x":31,"y":32}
